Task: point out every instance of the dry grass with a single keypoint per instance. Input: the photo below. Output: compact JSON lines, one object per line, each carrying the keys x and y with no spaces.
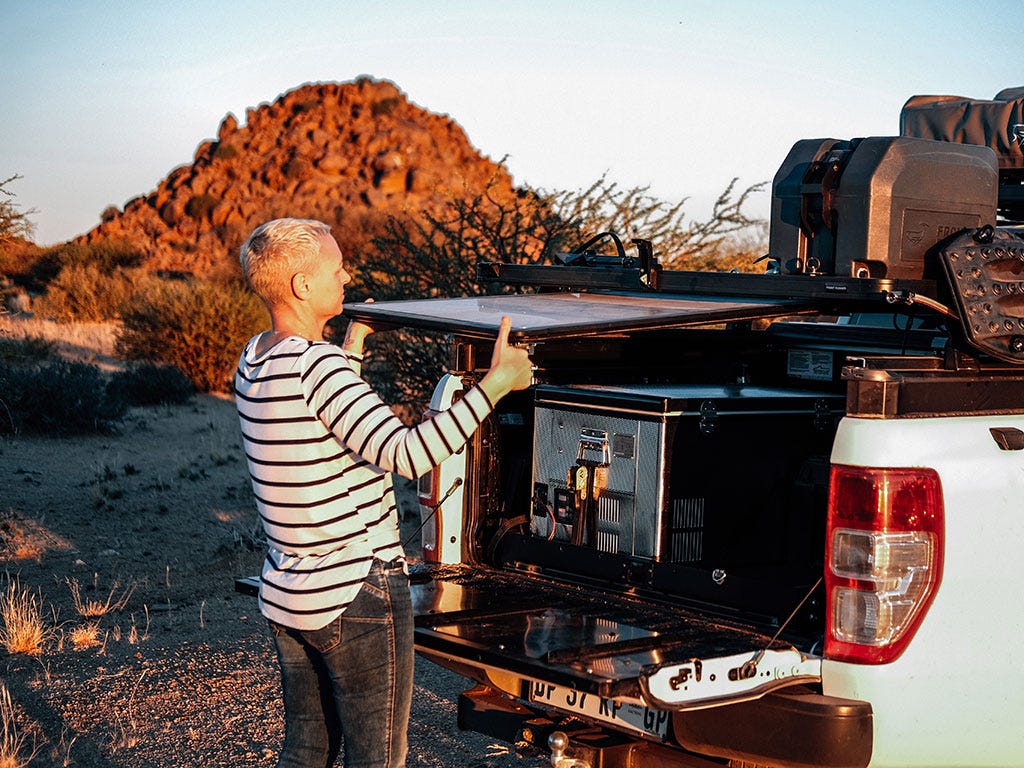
{"x":23,"y":627}
{"x":61,"y":752}
{"x":98,"y":337}
{"x":126,"y":728}
{"x":14,"y":748}
{"x":93,"y":609}
{"x":16,"y":541}
{"x":134,"y":638}
{"x":86,"y":342}
{"x":85,"y":636}
{"x":24,"y":539}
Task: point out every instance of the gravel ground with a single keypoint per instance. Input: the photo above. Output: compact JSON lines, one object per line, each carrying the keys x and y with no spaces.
{"x":184,"y":674}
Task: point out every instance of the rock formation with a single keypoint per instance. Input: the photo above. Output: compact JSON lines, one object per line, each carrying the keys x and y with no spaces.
{"x":350,"y":154}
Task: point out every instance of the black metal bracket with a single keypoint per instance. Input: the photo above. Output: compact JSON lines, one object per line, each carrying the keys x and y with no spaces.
{"x":831,"y":291}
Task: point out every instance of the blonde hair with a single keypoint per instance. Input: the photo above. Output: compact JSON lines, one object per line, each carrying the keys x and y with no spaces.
{"x":275,"y":251}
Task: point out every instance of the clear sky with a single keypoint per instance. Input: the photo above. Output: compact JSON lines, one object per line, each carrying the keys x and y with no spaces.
{"x":100,"y":100}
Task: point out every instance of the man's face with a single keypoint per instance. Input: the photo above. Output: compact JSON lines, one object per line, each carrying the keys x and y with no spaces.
{"x":329,"y":280}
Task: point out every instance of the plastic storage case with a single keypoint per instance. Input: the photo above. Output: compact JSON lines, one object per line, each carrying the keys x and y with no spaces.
{"x":874,"y":207}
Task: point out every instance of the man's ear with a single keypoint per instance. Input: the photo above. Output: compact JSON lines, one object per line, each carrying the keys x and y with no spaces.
{"x":300,"y":285}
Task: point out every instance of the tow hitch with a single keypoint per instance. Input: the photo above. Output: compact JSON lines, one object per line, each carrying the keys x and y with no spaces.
{"x":558,"y":741}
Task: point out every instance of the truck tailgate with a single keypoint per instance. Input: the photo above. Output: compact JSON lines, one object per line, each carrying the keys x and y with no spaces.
{"x":608,"y":645}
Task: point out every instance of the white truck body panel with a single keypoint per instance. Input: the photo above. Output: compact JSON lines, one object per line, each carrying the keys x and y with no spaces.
{"x":956,"y":695}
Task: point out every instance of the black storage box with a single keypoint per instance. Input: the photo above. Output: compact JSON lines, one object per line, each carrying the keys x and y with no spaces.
{"x":713,"y":477}
{"x":874,"y":207}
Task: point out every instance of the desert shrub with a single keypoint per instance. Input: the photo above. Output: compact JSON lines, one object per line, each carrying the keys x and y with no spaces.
{"x":107,"y":256}
{"x":25,"y":349}
{"x":151,"y":384}
{"x":197,"y":326}
{"x":95,"y":608}
{"x":201,"y":206}
{"x":435,"y":255}
{"x":308,"y":105}
{"x":225,"y":151}
{"x":385,"y":106}
{"x":57,"y":397}
{"x":17,"y":260}
{"x":740,"y":252}
{"x":298,"y":168}
{"x":87,"y":293}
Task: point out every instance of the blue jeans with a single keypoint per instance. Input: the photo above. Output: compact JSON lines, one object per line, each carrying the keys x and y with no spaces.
{"x":351,"y":680}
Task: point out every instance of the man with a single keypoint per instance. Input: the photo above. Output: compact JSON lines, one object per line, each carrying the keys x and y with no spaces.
{"x":321,"y":447}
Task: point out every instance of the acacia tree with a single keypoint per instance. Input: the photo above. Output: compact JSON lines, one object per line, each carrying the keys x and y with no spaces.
{"x":679,"y":241}
{"x":436,"y":255}
{"x":13,"y":222}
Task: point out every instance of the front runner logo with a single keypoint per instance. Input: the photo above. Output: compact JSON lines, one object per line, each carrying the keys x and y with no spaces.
{"x":1017,"y":132}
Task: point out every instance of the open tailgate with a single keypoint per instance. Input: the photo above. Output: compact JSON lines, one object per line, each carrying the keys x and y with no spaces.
{"x":595,"y":643}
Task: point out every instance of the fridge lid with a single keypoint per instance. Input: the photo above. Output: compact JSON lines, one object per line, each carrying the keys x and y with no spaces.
{"x":541,"y":316}
{"x":670,"y":400}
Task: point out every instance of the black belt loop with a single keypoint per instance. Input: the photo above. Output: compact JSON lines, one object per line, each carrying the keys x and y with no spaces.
{"x":395,"y":564}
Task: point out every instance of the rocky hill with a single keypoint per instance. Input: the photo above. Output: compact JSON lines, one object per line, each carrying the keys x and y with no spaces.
{"x":350,"y":154}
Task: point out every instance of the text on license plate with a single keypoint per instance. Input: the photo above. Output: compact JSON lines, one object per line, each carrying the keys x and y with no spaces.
{"x":624,"y":714}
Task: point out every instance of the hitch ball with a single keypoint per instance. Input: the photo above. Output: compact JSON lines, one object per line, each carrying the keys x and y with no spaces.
{"x":558,"y":742}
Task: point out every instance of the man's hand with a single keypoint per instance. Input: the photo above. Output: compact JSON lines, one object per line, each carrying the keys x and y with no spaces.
{"x":355,"y":335}
{"x":511,"y":368}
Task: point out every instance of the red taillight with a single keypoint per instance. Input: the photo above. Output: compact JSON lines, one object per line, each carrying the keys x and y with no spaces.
{"x":883,"y":559}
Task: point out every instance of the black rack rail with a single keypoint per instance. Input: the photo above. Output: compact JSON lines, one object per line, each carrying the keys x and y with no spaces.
{"x":817,"y":287}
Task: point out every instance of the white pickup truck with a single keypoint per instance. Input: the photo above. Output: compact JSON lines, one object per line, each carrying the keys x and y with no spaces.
{"x":754,"y":520}
{"x":750,"y":520}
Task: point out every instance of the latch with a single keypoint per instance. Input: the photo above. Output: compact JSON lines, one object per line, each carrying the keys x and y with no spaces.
{"x":708,"y":417}
{"x":586,"y":480}
{"x":593,"y":449}
{"x":686,"y":672}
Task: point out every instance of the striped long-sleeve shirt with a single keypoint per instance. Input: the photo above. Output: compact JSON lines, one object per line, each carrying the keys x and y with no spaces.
{"x":320,"y":447}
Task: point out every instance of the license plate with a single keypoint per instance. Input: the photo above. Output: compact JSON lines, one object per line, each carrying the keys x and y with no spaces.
{"x":624,"y":714}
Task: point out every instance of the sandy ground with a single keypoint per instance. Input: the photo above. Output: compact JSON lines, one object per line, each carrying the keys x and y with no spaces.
{"x":160,"y":517}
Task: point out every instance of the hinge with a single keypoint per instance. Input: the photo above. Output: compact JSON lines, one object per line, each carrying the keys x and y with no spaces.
{"x":822,"y":414}
{"x":708,"y":417}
